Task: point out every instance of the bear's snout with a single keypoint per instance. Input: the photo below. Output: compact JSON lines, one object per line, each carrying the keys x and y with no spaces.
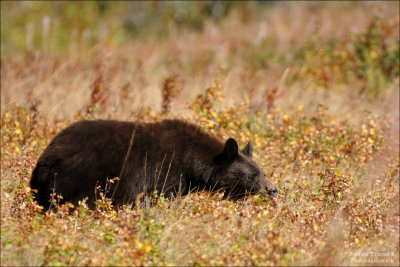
{"x":273,"y":193}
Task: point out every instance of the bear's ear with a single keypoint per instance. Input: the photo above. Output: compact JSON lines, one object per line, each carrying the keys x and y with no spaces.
{"x":230,"y":152}
{"x":248,"y":150}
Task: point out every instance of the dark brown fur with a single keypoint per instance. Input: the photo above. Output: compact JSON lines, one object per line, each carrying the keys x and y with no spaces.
{"x":171,"y":156}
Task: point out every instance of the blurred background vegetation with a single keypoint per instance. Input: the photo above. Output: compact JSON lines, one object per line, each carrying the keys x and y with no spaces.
{"x":118,"y":22}
{"x":326,"y":52}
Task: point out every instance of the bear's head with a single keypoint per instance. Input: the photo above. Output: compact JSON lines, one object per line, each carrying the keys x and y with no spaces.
{"x":239,"y":175}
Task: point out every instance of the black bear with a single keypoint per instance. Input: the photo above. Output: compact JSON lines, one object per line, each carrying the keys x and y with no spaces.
{"x":171,"y":156}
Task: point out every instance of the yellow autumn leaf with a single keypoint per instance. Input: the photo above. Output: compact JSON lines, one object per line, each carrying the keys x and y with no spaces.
{"x":139,"y":245}
{"x":210,"y":124}
{"x":8,"y":115}
{"x":373,"y":54}
{"x":343,"y":54}
{"x":147,"y":247}
{"x":285,"y":117}
{"x":314,"y":37}
{"x":365,"y":131}
{"x":300,"y":108}
{"x":372,"y":131}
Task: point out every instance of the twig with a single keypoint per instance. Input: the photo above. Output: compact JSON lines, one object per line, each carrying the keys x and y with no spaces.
{"x":123,"y":165}
{"x":145,"y":174}
{"x":166,"y":177}
{"x":159,"y":173}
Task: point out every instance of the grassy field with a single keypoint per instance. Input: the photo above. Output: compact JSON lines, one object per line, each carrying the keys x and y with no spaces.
{"x":314,"y":85}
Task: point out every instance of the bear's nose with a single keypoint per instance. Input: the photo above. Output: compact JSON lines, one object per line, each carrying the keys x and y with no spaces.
{"x":273,"y":191}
